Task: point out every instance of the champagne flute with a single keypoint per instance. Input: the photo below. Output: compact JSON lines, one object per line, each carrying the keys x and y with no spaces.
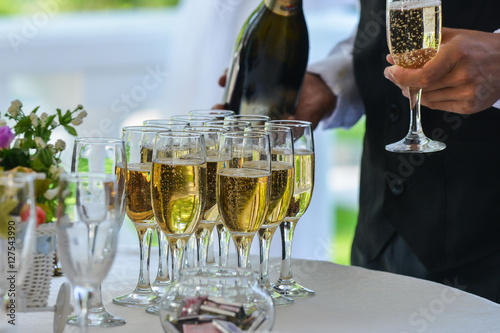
{"x":87,"y":227}
{"x":178,"y":188}
{"x":218,"y":114}
{"x":223,"y":235}
{"x":304,"y":182}
{"x":178,"y":191}
{"x":17,"y":232}
{"x":210,"y":215}
{"x":101,"y":155}
{"x":414,"y":37}
{"x":162,"y":279}
{"x":139,"y":141}
{"x":173,"y":125}
{"x":193,"y":120}
{"x":282,"y":185}
{"x":243,"y":186}
{"x":252,"y":119}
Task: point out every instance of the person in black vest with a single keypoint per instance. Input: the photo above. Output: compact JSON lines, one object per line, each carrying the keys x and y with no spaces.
{"x":432,"y":216}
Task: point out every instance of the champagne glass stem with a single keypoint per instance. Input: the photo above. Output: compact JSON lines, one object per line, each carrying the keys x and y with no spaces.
{"x":265,"y":237}
{"x":287,"y":228}
{"x":145,"y":238}
{"x":243,"y":243}
{"x":177,"y":248}
{"x":162,"y":276}
{"x":210,"y":251}
{"x":223,"y":237}
{"x":414,"y":96}
{"x":202,"y":241}
{"x":286,"y":285}
{"x":82,"y":295}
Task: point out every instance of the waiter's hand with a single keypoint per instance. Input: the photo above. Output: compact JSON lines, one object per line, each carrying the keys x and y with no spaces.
{"x":464,"y":76}
{"x":316,"y":100}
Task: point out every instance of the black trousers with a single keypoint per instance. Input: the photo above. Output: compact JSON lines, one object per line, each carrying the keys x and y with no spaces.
{"x":481,"y":278}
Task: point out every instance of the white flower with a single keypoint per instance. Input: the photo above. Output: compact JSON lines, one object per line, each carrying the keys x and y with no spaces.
{"x":15,"y":107}
{"x":60,"y":145}
{"x":43,"y":118}
{"x":79,"y":107}
{"x":2,"y":122}
{"x":40,"y":143}
{"x":53,"y":124}
{"x":55,"y":171}
{"x":76,"y":121}
{"x":51,"y":194}
{"x":82,"y":114}
{"x":34,"y":119}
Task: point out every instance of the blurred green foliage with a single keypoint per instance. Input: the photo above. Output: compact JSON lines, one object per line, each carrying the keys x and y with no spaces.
{"x":10,"y":7}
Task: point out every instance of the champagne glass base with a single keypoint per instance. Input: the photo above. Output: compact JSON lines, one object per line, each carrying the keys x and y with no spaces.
{"x":279,"y":299}
{"x":100,"y":318}
{"x":420,"y":144}
{"x":136,"y":299}
{"x":292,"y":289}
{"x":153,"y":310}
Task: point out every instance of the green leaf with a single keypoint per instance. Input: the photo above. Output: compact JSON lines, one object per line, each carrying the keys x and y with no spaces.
{"x":14,"y":157}
{"x":71,"y":130}
{"x":66,"y":119}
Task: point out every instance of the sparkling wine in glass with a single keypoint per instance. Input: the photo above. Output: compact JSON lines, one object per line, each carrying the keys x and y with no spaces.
{"x":210,"y":215}
{"x":252,"y":119}
{"x":139,"y":142}
{"x":303,"y":141}
{"x":243,"y":186}
{"x":178,"y":191}
{"x":282,"y":184}
{"x":218,"y":114}
{"x":414,"y":37}
{"x":88,"y":222}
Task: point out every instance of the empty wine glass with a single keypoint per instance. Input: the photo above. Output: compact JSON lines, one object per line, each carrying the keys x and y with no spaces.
{"x":17,"y":232}
{"x":282,"y":184}
{"x":243,"y":186}
{"x":304,"y":183}
{"x":101,"y":155}
{"x":414,"y":37}
{"x":139,"y":142}
{"x":87,"y":227}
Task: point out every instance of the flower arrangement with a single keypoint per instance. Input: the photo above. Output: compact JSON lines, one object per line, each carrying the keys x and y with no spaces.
{"x":25,"y":147}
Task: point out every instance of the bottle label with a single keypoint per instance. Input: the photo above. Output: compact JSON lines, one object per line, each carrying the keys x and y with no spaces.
{"x":284,"y":7}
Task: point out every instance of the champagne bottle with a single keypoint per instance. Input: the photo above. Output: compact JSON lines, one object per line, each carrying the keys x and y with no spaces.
{"x":269,"y":61}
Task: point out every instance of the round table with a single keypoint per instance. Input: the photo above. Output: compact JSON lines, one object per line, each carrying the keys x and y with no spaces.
{"x":348,"y":299}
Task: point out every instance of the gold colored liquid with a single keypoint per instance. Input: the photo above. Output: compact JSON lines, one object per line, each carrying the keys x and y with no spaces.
{"x":304,"y":183}
{"x":243,"y":198}
{"x":178,"y":192}
{"x":281,"y":192}
{"x":139,"y":207}
{"x":414,"y":32}
{"x":211,"y":212}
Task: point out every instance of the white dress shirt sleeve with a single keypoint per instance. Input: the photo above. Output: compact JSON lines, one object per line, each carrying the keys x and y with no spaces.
{"x":338,"y":73}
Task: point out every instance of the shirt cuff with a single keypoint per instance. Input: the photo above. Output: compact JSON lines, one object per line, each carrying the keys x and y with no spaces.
{"x":338,"y":74}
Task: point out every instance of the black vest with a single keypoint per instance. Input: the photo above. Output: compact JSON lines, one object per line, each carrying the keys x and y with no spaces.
{"x":446,"y":205}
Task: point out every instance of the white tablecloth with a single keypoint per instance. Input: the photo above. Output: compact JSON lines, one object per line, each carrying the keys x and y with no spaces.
{"x":348,"y":299}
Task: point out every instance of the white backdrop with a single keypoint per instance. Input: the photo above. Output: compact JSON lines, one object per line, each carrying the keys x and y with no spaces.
{"x":126,"y":66}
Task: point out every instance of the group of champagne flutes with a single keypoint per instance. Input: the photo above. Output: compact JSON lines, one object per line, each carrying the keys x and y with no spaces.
{"x":185,"y":177}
